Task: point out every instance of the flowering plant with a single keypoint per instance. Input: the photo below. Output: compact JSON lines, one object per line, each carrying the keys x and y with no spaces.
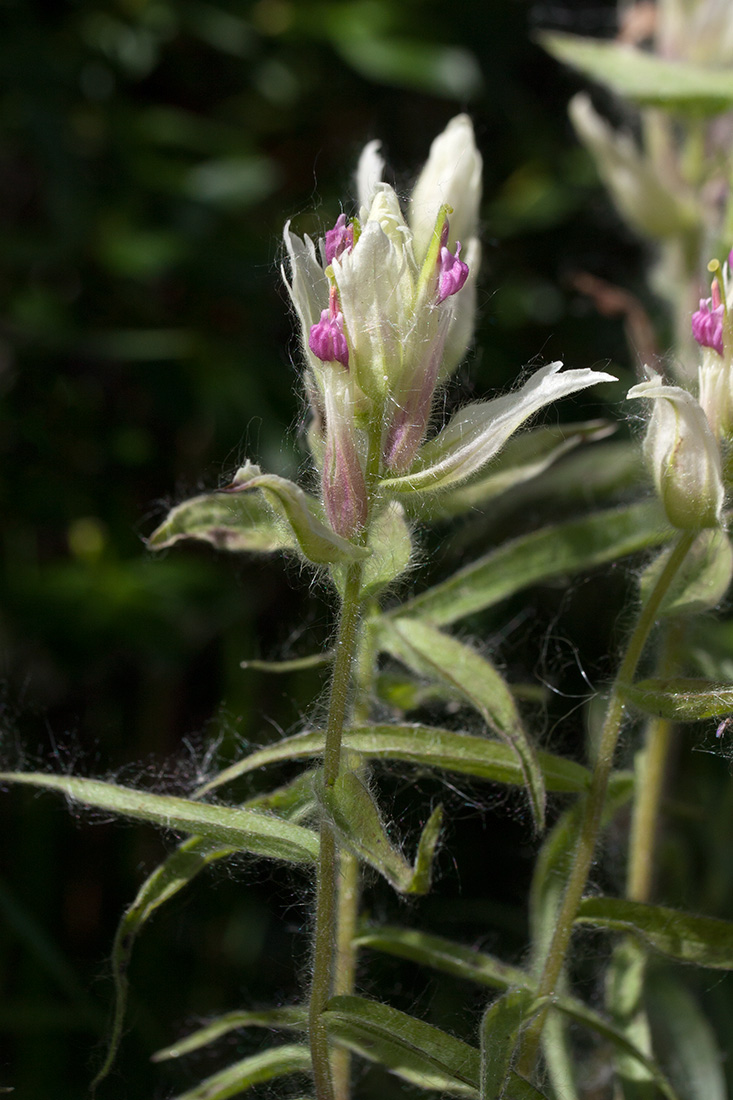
{"x":386,"y":308}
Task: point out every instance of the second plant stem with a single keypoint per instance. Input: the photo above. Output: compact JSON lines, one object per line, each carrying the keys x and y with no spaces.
{"x":595,"y":799}
{"x":328,"y":868}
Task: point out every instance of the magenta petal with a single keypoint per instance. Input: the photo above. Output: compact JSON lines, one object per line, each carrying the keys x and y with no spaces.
{"x":452,"y":273}
{"x":338,"y":240}
{"x":327,"y":339}
{"x":707,"y":325}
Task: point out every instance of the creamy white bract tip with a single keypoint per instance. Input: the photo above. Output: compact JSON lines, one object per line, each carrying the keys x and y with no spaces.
{"x":683,"y":455}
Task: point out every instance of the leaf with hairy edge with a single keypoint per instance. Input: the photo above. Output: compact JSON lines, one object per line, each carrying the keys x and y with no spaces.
{"x":524,"y":457}
{"x":500,"y":1027}
{"x":705,"y":941}
{"x":684,"y":1041}
{"x":277,"y":1062}
{"x":476,"y":433}
{"x":557,"y":551}
{"x":426,"y":746}
{"x":290,"y":1018}
{"x":476,"y":966}
{"x":317,"y":541}
{"x":390,"y":547}
{"x":356,"y":818}
{"x":428,"y":651}
{"x":644,"y":77}
{"x":415,"y":1051}
{"x":681,"y":699}
{"x":227,"y":522}
{"x":240,"y":830}
{"x":291,"y":802}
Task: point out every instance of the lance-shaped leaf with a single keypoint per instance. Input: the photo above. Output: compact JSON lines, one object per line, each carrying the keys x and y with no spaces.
{"x":278,"y":1062}
{"x":684,"y":1040}
{"x":356,"y":817}
{"x":486,"y":970}
{"x":556,"y":551}
{"x":426,"y":746}
{"x":291,"y":803}
{"x":681,"y":699}
{"x":477,"y":433}
{"x":642,"y":76}
{"x":415,"y":1051}
{"x":227,"y":522}
{"x":705,"y":941}
{"x":390,"y":548}
{"x":240,"y":830}
{"x":318,"y":542}
{"x":428,"y":651}
{"x":290,"y":1018}
{"x":500,"y":1027}
{"x":524,"y":457}
{"x":702,"y":580}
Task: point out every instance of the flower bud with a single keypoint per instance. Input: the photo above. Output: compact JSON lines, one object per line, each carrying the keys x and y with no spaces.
{"x":683,"y":456}
{"x":654,"y":206}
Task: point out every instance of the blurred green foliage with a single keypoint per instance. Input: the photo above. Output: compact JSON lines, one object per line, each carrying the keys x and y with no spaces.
{"x":150,"y":151}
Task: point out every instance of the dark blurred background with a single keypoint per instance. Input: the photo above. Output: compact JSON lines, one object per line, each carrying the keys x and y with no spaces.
{"x":150,"y":152}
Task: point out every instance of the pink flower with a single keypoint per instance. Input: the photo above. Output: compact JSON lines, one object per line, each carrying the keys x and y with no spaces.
{"x":338,"y":240}
{"x":707,"y":322}
{"x":452,"y":272}
{"x":327,"y":339}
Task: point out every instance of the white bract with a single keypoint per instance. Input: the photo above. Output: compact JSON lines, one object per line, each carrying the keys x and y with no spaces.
{"x":386,"y":305}
{"x":683,"y":455}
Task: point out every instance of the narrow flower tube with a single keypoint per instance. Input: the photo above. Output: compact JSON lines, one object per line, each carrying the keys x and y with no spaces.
{"x":683,"y":456}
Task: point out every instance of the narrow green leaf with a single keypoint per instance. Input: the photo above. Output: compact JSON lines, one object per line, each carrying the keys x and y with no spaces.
{"x":705,"y":941}
{"x":556,"y":551}
{"x":684,"y":1041}
{"x":356,"y":817}
{"x":525,"y":456}
{"x":625,"y":1004}
{"x":240,"y":830}
{"x":642,"y":76}
{"x":226,"y":521}
{"x":172,"y":875}
{"x":427,"y":650}
{"x":702,"y":581}
{"x":444,"y":955}
{"x":317,"y":541}
{"x":415,"y":1051}
{"x":277,"y":1062}
{"x":681,"y":699}
{"x":500,"y":1027}
{"x":426,"y":746}
{"x":390,"y":547}
{"x":290,"y":1018}
{"x":476,"y":966}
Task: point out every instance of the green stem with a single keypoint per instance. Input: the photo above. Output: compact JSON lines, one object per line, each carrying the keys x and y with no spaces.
{"x":349,"y":879}
{"x":650,"y":771}
{"x":346,"y":957}
{"x":327,"y":871}
{"x":595,"y":799}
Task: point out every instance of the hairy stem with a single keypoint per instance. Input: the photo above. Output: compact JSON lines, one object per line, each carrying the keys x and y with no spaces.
{"x":327,"y":871}
{"x":595,"y":799}
{"x":349,"y":879}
